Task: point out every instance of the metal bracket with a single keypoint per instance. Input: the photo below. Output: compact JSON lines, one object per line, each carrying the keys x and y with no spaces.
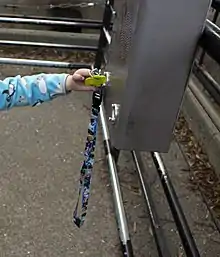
{"x":115,"y":113}
{"x":107,"y":74}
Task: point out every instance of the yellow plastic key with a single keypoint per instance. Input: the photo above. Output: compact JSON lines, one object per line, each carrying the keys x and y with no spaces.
{"x":96,"y":80}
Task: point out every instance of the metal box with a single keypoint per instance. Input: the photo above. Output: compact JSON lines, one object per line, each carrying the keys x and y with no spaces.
{"x":150,"y":60}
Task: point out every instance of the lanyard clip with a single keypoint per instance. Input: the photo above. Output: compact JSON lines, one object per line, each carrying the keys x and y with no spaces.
{"x":95,"y":71}
{"x":97,"y":95}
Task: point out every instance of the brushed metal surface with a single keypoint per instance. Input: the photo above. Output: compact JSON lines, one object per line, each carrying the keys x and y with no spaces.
{"x":150,"y":59}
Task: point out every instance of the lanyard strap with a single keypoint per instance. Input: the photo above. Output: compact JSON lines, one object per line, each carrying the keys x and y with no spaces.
{"x":87,"y":166}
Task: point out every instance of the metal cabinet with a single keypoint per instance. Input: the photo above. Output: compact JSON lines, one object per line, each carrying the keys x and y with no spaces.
{"x":150,"y":60}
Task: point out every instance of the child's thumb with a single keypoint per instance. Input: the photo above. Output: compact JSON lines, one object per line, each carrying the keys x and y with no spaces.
{"x":78,"y":77}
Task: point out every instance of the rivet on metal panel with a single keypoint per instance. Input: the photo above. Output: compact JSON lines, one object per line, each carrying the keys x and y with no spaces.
{"x":115,"y":113}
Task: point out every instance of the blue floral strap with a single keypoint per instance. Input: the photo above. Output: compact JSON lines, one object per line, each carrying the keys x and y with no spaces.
{"x":87,"y":166}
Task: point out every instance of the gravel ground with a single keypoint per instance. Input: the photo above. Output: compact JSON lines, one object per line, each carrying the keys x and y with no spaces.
{"x":41,"y":153}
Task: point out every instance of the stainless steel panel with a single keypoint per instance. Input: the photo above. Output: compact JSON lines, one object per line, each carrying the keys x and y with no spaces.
{"x":150,"y":58}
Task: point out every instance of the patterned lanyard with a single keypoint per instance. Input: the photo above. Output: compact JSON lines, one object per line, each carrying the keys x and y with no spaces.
{"x":87,"y":166}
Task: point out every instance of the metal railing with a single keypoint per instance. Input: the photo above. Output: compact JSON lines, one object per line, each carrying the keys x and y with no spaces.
{"x":210,"y":43}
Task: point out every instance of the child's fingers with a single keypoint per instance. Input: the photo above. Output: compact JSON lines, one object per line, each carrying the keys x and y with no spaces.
{"x":83,"y":72}
{"x":79,"y":77}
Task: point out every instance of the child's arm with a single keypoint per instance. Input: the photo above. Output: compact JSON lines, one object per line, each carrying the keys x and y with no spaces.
{"x":36,"y":89}
{"x":30,"y":90}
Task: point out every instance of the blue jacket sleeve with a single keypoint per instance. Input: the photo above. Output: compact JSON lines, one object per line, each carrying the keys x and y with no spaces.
{"x":31,"y":90}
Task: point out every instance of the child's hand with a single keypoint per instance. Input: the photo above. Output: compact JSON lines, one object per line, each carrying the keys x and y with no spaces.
{"x":76,"y":81}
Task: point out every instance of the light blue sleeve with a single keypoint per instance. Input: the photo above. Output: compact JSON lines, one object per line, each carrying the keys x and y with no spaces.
{"x":31,"y":90}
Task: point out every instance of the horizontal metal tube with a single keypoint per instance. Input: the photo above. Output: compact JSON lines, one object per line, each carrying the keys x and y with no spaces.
{"x":39,"y":63}
{"x":78,"y":24}
{"x":212,"y":25}
{"x":209,"y":83}
{"x":205,"y":103}
{"x":96,"y":23}
{"x":50,"y":45}
{"x":210,"y":41}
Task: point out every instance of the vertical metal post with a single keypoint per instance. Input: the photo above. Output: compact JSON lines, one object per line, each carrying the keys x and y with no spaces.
{"x":215,"y":16}
{"x":127,"y":248}
{"x":202,"y":56}
{"x":159,"y":238}
{"x":177,"y":212}
{"x":102,"y":39}
{"x":119,"y":207}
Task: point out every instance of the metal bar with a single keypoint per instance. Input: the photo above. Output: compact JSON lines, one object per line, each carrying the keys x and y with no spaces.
{"x":117,"y":196}
{"x":103,"y":39}
{"x":97,"y":23}
{"x":209,"y":83}
{"x":213,"y":26}
{"x":49,"y":45}
{"x":201,"y":59}
{"x":215,"y":18}
{"x":206,"y":103}
{"x":159,"y":238}
{"x":210,"y":41}
{"x":177,"y":212}
{"x":39,"y":63}
{"x":108,"y":14}
{"x":107,"y":35}
{"x":99,"y":58}
{"x":77,"y":24}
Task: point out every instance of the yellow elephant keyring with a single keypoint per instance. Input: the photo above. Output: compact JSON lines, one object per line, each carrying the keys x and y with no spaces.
{"x":96,"y":79}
